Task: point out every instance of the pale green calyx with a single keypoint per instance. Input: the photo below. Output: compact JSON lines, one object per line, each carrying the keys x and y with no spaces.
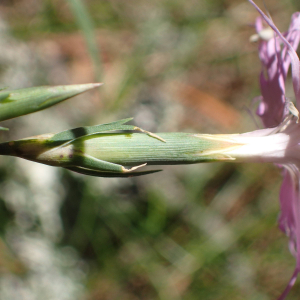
{"x":98,"y":151}
{"x":115,"y":150}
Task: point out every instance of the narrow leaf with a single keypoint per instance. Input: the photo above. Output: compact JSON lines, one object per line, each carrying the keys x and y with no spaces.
{"x":69,"y":135}
{"x":110,"y":174}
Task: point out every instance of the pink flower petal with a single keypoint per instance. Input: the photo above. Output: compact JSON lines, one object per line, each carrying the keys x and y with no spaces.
{"x":272,"y":110}
{"x":290,"y":285}
{"x":292,"y":53}
{"x":275,"y":64}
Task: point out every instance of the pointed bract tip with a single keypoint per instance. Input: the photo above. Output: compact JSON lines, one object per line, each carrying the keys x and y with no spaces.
{"x":91,"y":85}
{"x":80,"y":88}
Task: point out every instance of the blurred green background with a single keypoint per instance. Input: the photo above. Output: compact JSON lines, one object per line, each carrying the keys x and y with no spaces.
{"x":190,"y":232}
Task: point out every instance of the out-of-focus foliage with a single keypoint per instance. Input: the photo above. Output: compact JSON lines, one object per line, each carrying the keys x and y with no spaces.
{"x":191,"y":232}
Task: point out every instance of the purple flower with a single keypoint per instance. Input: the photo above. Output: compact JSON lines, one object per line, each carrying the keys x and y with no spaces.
{"x":279,"y":143}
{"x":276,"y":55}
{"x":275,"y":64}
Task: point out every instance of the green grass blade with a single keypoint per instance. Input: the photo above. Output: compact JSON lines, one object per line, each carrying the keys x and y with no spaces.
{"x":86,"y":25}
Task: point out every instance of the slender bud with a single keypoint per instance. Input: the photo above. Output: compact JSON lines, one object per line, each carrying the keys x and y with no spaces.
{"x":96,"y":151}
{"x":15,"y":103}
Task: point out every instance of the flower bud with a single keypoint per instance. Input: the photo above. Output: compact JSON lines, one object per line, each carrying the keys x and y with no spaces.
{"x":15,"y":103}
{"x":96,"y":151}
